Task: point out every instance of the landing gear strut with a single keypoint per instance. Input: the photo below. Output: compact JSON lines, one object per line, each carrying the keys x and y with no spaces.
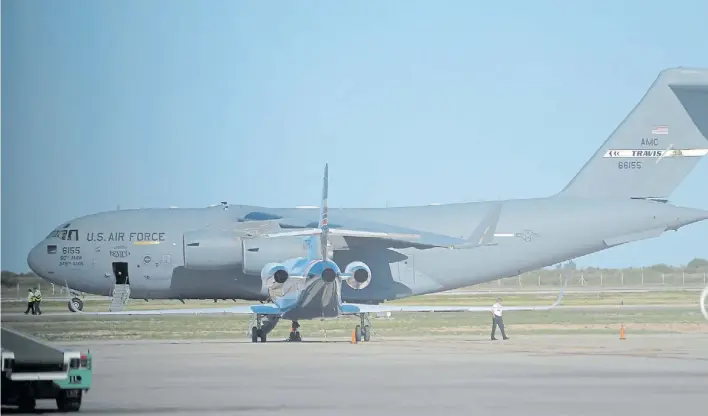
{"x":257,"y":330}
{"x":261,"y":325}
{"x":363,"y":330}
{"x":294,"y":333}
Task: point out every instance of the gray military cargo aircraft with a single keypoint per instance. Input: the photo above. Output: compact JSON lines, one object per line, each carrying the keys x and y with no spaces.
{"x":224,"y":252}
{"x":315,"y":281}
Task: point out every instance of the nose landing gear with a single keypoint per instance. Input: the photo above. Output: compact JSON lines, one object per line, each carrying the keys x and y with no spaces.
{"x":76,"y":305}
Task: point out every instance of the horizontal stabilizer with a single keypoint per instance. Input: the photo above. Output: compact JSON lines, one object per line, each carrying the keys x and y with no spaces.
{"x":628,"y":238}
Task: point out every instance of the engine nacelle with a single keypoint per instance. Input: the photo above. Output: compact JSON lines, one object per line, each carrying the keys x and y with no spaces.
{"x":326,"y":270}
{"x":361,"y":275}
{"x":274,"y":273}
{"x":257,"y":253}
{"x":212,"y":250}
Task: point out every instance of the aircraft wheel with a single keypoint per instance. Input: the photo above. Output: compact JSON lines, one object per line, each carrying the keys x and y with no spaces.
{"x":357,"y":333}
{"x":295,"y":336}
{"x":76,"y":305}
{"x":263,"y":336}
{"x":367,"y":333}
{"x":68,"y":404}
{"x":254,"y":334}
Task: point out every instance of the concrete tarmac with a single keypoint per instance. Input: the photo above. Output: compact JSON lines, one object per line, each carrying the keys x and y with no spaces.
{"x":526,"y":375}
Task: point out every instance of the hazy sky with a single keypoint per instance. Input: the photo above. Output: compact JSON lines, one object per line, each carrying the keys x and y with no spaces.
{"x":188,"y":103}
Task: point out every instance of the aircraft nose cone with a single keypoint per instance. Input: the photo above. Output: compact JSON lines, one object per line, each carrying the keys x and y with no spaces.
{"x":34,"y":260}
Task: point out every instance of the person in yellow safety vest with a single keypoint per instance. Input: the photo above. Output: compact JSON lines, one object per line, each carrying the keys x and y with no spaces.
{"x":30,"y":302}
{"x":37,"y":301}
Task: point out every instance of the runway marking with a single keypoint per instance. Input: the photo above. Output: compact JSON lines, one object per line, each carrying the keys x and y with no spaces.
{"x":704,"y":294}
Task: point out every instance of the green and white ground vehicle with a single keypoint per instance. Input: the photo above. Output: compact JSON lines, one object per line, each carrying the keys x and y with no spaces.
{"x":34,"y":370}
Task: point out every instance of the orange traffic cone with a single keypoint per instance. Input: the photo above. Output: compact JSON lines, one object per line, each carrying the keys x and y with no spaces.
{"x":622,"y":331}
{"x":353,"y":337}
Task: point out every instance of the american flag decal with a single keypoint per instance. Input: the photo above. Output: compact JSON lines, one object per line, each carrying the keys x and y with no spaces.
{"x":660,"y":130}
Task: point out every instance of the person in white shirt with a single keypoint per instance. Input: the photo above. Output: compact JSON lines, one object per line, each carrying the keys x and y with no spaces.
{"x":497,"y":319}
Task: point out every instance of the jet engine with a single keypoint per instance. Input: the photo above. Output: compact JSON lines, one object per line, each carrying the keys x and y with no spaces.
{"x":361,"y":275}
{"x":274,"y":274}
{"x":327,"y":270}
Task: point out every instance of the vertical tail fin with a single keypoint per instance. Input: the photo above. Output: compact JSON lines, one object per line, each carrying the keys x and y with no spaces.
{"x":323,"y":214}
{"x":656,"y":146}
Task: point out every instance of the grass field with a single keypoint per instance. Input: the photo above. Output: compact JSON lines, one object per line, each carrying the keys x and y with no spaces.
{"x":636,"y":278}
{"x":686,"y":318}
{"x":669,"y":297}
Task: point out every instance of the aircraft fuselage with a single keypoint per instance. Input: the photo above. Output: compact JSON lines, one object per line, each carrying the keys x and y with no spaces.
{"x":192,"y":253}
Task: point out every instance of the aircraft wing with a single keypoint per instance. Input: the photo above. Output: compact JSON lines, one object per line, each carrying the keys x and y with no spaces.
{"x":354,"y":308}
{"x":398,"y":237}
{"x":261,"y":309}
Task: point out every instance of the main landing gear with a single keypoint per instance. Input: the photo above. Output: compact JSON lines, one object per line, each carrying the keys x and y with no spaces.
{"x":261,"y":325}
{"x":294,"y":333}
{"x":257,"y":330}
{"x":260,"y":329}
{"x":363,"y":330}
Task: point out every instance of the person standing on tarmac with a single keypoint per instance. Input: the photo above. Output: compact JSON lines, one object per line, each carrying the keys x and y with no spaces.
{"x":37,"y":301}
{"x":497,"y":319}
{"x":30,"y":302}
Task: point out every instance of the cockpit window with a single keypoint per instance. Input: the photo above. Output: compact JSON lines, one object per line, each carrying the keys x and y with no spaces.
{"x":51,"y":249}
{"x":64,"y":233}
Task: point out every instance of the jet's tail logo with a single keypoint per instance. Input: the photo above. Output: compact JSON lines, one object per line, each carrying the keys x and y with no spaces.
{"x":656,"y":146}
